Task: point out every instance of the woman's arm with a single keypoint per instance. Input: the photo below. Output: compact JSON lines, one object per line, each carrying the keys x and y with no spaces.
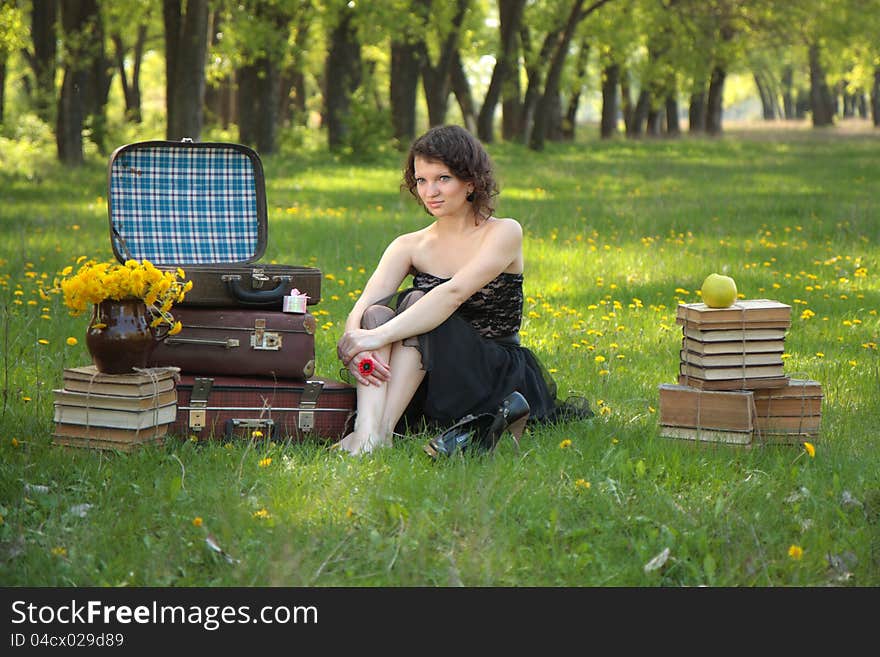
{"x":500,"y":248}
{"x":393,"y":267}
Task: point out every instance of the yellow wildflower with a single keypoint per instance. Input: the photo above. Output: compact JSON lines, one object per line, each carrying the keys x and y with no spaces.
{"x":582,"y":483}
{"x":266,"y":462}
{"x":72,"y":341}
{"x":565,"y":444}
{"x":197,"y":521}
{"x":796,"y":552}
{"x":811,"y":450}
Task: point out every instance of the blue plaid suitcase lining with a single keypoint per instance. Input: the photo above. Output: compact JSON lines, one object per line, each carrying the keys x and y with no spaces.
{"x":184,"y":205}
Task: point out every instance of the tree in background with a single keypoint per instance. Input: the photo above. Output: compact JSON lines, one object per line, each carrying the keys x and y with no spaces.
{"x":186,"y":44}
{"x":11,"y":39}
{"x":85,"y":84}
{"x":43,"y":58}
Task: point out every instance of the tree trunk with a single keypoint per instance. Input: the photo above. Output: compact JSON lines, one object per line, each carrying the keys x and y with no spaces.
{"x":99,"y":79}
{"x":569,"y":123}
{"x":787,"y":93}
{"x":714,"y":101}
{"x":654,"y":122}
{"x":461,"y":87}
{"x":766,"y":96}
{"x":436,"y":80}
{"x":186,"y":44}
{"x":875,"y":98}
{"x":131,"y":89}
{"x":543,"y":109}
{"x":640,"y":114}
{"x":259,"y":82}
{"x":44,"y":34}
{"x":673,"y":128}
{"x":610,"y":80}
{"x":293,"y":79}
{"x":510,"y":18}
{"x":535,"y":75}
{"x":76,"y":20}
{"x":406,"y":65}
{"x":626,"y":105}
{"x":697,"y":112}
{"x":217,"y":93}
{"x":259,"y":85}
{"x":3,"y":59}
{"x":342,"y":77}
{"x":820,"y":96}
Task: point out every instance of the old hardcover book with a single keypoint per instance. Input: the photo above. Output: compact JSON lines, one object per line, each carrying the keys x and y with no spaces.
{"x":795,"y":388}
{"x":739,"y":372}
{"x":110,"y":434}
{"x":734,"y":384}
{"x":121,"y":419}
{"x":707,"y":435}
{"x":733,"y":346}
{"x":733,"y":334}
{"x":716,"y":326}
{"x":137,"y":384}
{"x":788,"y":406}
{"x":743,"y":311}
{"x":727,"y":360}
{"x":785,"y":437}
{"x":122,"y":402}
{"x":791,"y":423}
{"x":683,"y":406}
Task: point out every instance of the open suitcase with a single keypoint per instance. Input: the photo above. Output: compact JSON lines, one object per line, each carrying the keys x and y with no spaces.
{"x":240,"y":342}
{"x":230,"y":408}
{"x":201,"y":207}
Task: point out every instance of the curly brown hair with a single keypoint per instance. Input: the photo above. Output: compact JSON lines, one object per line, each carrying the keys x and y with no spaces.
{"x":466,"y":158}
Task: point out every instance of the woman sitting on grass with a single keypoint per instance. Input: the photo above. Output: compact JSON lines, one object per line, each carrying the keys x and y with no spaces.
{"x":448,"y":350}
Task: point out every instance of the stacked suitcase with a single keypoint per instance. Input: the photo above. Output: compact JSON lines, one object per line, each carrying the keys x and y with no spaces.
{"x":247,"y":348}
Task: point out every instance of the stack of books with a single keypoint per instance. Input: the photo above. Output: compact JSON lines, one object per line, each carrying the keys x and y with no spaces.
{"x":734,"y":348}
{"x":789,"y":415}
{"x":114,"y":411}
{"x":732,"y":387}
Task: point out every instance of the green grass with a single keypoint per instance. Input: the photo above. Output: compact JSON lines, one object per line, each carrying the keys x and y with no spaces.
{"x":617,"y":234}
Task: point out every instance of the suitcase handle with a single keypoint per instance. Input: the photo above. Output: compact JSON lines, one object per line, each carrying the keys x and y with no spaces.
{"x":255,"y":297}
{"x":231,"y":343}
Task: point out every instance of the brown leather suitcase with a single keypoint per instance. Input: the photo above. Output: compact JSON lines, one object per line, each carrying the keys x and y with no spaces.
{"x":201,"y":206}
{"x":239,"y":342}
{"x":232,"y":408}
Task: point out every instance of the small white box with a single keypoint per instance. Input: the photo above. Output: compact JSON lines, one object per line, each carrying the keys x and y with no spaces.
{"x":295,"y":303}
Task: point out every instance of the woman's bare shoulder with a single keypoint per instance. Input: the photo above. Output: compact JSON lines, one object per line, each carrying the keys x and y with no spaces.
{"x":508,"y":225}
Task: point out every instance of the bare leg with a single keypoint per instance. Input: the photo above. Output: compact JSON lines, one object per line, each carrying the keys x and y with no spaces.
{"x":380,"y":407}
{"x":370,"y":399}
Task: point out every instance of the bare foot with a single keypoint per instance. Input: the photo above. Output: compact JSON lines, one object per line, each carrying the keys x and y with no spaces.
{"x":356,"y":444}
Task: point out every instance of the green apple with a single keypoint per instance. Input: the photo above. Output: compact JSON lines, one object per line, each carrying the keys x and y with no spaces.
{"x":718,"y":291}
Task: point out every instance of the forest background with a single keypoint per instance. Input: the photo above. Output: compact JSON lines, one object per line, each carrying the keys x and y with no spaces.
{"x":366,"y":76}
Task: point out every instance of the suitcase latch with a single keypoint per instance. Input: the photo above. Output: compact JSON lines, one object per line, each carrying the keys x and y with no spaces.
{"x":258,"y":278}
{"x":198,"y":401}
{"x":309,"y":400}
{"x":264,"y":340}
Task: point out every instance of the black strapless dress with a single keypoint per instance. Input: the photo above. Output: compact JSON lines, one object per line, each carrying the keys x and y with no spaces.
{"x":474,"y":359}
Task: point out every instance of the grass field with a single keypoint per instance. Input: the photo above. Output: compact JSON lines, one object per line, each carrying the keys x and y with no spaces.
{"x":617,"y":234}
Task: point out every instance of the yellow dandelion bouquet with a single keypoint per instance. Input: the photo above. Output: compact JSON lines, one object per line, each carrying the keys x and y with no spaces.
{"x":96,"y":282}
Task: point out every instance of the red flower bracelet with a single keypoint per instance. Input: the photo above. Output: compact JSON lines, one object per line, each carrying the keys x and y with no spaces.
{"x":365,"y":367}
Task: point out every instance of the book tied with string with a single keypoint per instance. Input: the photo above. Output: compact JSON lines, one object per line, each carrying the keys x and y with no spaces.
{"x":739,"y":347}
{"x":114,"y":411}
{"x":789,"y":414}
